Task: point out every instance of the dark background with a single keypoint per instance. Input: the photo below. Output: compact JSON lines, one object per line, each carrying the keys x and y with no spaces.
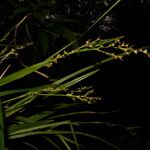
{"x":123,"y":85}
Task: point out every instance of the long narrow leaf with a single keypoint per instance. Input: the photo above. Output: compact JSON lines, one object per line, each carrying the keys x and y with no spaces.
{"x":77,"y":80}
{"x":31,"y":145}
{"x":74,"y":74}
{"x":58,"y":82}
{"x":10,"y":92}
{"x":70,"y":140}
{"x":64,"y":142}
{"x":1,"y":127}
{"x":52,"y":142}
{"x":74,"y":137}
{"x":65,"y":132}
{"x":102,"y":16}
{"x":24,"y":128}
{"x":21,"y":73}
{"x":47,"y":132}
{"x":19,"y":105}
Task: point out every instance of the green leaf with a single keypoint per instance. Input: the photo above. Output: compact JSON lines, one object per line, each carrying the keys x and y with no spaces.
{"x":39,"y":125}
{"x":74,"y":137}
{"x":64,"y":142}
{"x":10,"y":92}
{"x":100,"y":139}
{"x":104,"y":14}
{"x":40,"y":116}
{"x":52,"y":142}
{"x":31,"y":145}
{"x":21,"y":73}
{"x":1,"y":127}
{"x":19,"y":105}
{"x":76,"y":80}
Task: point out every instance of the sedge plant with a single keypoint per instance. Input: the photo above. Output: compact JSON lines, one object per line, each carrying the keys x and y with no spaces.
{"x":48,"y":123}
{"x":52,"y":124}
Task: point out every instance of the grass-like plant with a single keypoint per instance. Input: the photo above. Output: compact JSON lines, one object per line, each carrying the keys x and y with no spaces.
{"x":52,"y":123}
{"x":48,"y":123}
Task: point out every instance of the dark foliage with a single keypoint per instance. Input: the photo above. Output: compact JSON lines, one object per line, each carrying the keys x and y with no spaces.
{"x":123,"y":85}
